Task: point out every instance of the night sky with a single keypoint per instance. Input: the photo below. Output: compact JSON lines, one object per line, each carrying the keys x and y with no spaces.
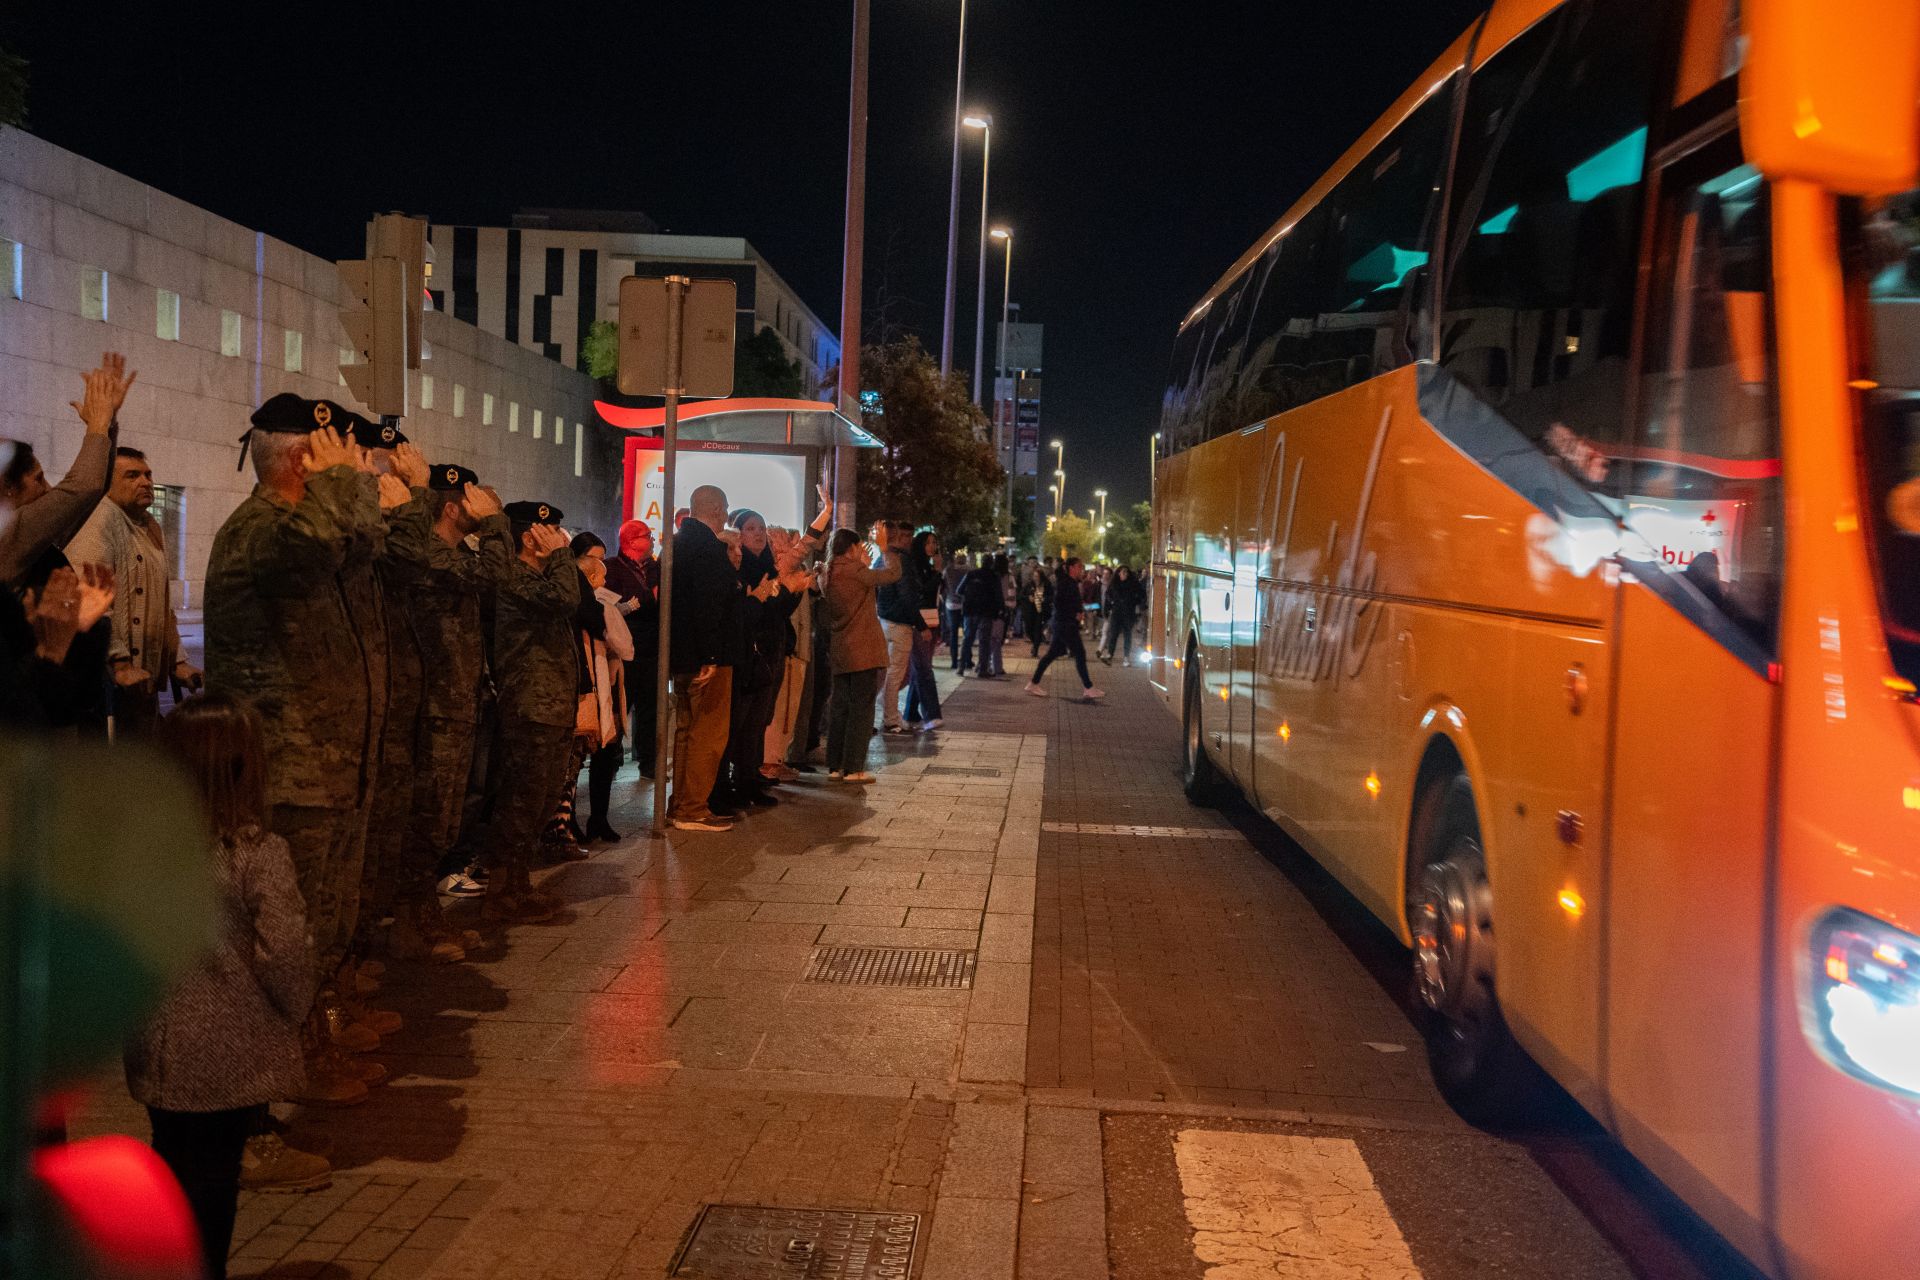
{"x":1139,"y":148}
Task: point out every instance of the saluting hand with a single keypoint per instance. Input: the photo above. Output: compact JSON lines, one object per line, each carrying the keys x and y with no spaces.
{"x":411,"y":466}
{"x":548,"y":539}
{"x":393,"y":493}
{"x":482,"y":502}
{"x":326,"y":448}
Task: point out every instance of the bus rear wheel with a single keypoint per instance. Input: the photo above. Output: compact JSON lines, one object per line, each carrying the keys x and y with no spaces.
{"x":1476,"y":1063}
{"x":1198,"y":778}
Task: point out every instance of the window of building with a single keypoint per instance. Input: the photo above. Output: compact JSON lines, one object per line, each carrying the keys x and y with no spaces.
{"x":486,"y":408}
{"x":513,"y":415}
{"x":559,"y":429}
{"x":229,"y":333}
{"x":536,"y":424}
{"x":346,"y":358}
{"x":459,"y":401}
{"x":93,"y":293}
{"x":426,"y":391}
{"x":166,"y":315}
{"x":580,"y":451}
{"x":169,"y":509}
{"x":293,"y":351}
{"x":13,"y":263}
{"x":1547,"y":198}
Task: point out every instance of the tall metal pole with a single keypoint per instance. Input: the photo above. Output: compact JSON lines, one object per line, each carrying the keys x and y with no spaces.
{"x":669,"y":442}
{"x":953,"y":199}
{"x":1000,"y":371}
{"x":980,"y":285}
{"x":852,"y":254}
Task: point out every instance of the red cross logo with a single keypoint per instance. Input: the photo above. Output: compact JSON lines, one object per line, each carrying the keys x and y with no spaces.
{"x":1709,"y":518}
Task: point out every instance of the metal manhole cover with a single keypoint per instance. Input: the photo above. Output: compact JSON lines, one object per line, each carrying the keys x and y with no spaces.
{"x":962,"y":771}
{"x":761,"y":1242}
{"x":892,"y":967}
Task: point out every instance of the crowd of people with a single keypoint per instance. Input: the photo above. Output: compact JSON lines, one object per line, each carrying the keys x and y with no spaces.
{"x":405,"y":677}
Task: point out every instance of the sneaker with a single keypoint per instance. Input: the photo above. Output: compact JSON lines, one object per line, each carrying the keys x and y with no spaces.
{"x":1106,"y":659}
{"x":461,"y":884}
{"x":1036,"y":690}
{"x":1093,"y":695}
{"x":836,"y":775}
{"x":267,"y":1163}
{"x":715,"y":823}
{"x":862,"y":776}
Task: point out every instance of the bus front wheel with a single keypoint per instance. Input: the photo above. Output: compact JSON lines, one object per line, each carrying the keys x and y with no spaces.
{"x":1482,"y":1072}
{"x":1198,"y":777}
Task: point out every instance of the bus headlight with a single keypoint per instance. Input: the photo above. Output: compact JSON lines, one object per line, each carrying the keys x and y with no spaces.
{"x":1866,"y":997}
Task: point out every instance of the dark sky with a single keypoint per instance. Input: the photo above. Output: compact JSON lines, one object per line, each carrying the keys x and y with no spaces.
{"x":1140,"y":147}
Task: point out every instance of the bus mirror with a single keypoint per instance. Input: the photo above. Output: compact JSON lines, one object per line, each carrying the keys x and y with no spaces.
{"x":1833,"y":97}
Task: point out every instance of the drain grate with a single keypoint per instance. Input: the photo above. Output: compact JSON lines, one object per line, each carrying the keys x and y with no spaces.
{"x":892,"y":967}
{"x":961,"y":771}
{"x":761,"y":1242}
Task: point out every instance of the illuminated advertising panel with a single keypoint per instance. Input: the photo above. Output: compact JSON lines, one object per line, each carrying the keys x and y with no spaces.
{"x":771,"y":479}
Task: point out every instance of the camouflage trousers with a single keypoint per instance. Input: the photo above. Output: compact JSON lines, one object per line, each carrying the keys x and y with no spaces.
{"x":388,"y":819}
{"x":328,"y":846}
{"x":533,"y":768}
{"x":443,"y":758}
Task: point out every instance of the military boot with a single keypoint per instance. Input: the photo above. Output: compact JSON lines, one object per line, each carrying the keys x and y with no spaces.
{"x":267,"y":1163}
{"x":435,"y":925}
{"x":368,"y":1072}
{"x":410,"y":939}
{"x":505,"y":905}
{"x":342,"y":1029}
{"x":382,"y":1022}
{"x":326,"y":1085}
{"x":525,"y":888}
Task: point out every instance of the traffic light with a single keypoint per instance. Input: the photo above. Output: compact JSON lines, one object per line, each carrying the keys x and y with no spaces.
{"x":381,"y":311}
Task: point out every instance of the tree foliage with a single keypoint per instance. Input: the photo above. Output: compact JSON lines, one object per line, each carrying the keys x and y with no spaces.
{"x":13,"y":88}
{"x":936,"y":465}
{"x":1130,"y":541}
{"x":1070,"y":535}
{"x":761,"y":368}
{"x":600,"y":355}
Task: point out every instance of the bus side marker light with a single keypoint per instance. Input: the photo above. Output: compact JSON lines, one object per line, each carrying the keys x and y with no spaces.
{"x":1373,"y":785}
{"x":1572,"y":903}
{"x":1866,"y":997}
{"x":1910,"y":797}
{"x":1846,"y":524}
{"x":1285,"y":731}
{"x":1223,"y":693}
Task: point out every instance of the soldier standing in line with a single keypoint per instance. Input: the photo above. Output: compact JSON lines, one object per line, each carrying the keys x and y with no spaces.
{"x":278,"y":634}
{"x":537,"y":676}
{"x":447,"y":621}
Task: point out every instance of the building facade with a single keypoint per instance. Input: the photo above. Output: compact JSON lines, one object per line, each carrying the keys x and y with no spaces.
{"x":216,"y":318}
{"x":542,"y":282}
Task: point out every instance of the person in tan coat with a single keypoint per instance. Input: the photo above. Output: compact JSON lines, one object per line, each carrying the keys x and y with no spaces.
{"x":857,"y":649}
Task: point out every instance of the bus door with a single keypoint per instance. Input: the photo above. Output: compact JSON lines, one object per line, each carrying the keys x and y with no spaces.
{"x":1251,"y":539}
{"x":1694,"y":733}
{"x":1211,"y":495}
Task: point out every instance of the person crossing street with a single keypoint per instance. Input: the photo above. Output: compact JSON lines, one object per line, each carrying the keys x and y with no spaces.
{"x":1066,"y":632}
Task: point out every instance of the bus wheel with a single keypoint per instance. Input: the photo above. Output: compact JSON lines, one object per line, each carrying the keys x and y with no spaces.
{"x":1476,"y":1063}
{"x":1198,"y":777}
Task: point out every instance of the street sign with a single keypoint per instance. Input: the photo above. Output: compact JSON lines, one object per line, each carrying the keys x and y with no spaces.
{"x":706,"y":346}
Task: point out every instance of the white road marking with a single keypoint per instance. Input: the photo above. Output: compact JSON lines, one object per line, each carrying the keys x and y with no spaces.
{"x":1274,"y":1206}
{"x":1154,"y":833}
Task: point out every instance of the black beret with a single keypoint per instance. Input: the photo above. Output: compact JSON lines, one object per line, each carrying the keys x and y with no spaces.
{"x":533,"y":513}
{"x":371,"y":435}
{"x":288,"y":413}
{"x":450,"y":476}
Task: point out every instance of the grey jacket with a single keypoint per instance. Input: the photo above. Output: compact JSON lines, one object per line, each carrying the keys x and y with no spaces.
{"x":58,"y":514}
{"x":228,"y":1034}
{"x":855,"y":641}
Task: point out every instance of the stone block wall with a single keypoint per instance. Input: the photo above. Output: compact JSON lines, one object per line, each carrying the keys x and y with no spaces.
{"x":241,"y":294}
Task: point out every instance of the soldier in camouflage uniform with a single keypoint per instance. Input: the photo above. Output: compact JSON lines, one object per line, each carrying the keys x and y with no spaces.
{"x":446,"y":610}
{"x":279,"y":634}
{"x":537,"y":676}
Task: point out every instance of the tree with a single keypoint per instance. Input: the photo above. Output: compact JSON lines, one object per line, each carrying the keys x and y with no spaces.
{"x":935,"y":465}
{"x":600,"y":354}
{"x":13,"y":88}
{"x":761,"y":368}
{"x":1130,"y":541}
{"x":1070,"y":535}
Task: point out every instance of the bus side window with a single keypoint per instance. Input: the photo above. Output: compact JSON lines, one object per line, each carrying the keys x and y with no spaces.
{"x":1540,"y":274}
{"x":1701,"y":483}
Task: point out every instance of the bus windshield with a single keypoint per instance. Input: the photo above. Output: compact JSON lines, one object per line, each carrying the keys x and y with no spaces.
{"x":1888,"y":255}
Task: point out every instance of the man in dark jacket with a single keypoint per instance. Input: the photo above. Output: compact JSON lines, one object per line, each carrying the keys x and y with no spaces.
{"x":1066,"y":631}
{"x":982,"y":605}
{"x":898,"y":604}
{"x":705,"y":634}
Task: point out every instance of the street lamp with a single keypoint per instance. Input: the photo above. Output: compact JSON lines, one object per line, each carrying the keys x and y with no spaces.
{"x":1059,"y":462}
{"x":1059,"y":490}
{"x":1102,"y":495}
{"x":1103,"y":539}
{"x":984,"y":123}
{"x":1153,"y":465}
{"x":1005,"y":236}
{"x":953,"y":198}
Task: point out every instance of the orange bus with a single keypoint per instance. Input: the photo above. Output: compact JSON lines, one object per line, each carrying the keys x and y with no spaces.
{"x":1537,"y":541}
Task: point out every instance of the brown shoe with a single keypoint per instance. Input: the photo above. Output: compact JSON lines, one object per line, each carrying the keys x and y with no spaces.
{"x":412,"y":938}
{"x":329,"y":1087}
{"x":365,"y":1070}
{"x":383,"y":1022}
{"x":343,"y":1030}
{"x":506,"y":907}
{"x":435,"y":925}
{"x":267,"y":1163}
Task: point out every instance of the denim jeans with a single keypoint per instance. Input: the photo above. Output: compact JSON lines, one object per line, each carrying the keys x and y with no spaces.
{"x":995,"y":639}
{"x":980,"y":630}
{"x":923,"y":696}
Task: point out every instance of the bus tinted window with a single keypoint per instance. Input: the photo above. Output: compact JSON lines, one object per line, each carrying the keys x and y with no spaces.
{"x":1886,"y":256}
{"x":1546,"y":214}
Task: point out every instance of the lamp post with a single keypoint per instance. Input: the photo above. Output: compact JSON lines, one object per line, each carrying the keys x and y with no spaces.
{"x":984,"y":123}
{"x":1103,"y":541}
{"x":1059,"y":471}
{"x":1102,"y":495}
{"x":1005,"y":236}
{"x":1153,"y":465}
{"x":953,"y":198}
{"x":1060,"y":491}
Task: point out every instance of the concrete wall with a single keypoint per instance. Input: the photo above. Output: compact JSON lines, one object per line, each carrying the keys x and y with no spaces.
{"x":72,"y":218}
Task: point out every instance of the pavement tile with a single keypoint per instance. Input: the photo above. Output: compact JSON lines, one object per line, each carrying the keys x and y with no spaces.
{"x":843,"y":935}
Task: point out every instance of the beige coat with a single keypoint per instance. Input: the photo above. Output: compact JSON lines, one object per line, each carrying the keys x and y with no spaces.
{"x":144,"y":630}
{"x":855,"y":641}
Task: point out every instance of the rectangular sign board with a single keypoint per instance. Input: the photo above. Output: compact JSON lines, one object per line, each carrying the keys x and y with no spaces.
{"x":706,"y":341}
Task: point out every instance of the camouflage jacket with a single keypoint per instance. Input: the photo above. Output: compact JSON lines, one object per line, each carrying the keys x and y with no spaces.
{"x":399,"y":569}
{"x":447,"y":619}
{"x":279,"y":633}
{"x":536,"y":663}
